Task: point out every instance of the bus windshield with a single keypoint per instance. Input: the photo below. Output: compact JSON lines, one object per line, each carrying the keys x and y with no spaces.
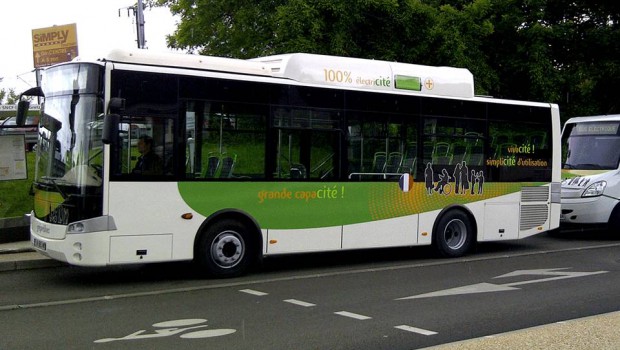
{"x":591,"y":146}
{"x":69,"y":151}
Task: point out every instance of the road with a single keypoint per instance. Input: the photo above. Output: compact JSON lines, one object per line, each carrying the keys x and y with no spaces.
{"x":380,"y":299}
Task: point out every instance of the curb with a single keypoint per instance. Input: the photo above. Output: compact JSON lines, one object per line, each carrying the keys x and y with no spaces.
{"x":16,"y":250}
{"x":26,"y":260}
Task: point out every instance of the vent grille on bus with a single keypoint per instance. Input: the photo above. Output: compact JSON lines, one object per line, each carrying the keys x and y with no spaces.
{"x":535,"y":194}
{"x":533,"y":216}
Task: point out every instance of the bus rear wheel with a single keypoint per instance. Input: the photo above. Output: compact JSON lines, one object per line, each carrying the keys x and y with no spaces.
{"x":454,"y":234}
{"x":224,"y":250}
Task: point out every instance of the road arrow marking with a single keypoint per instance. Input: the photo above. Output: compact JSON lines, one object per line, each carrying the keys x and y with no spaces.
{"x":490,"y":287}
{"x":546,"y":272}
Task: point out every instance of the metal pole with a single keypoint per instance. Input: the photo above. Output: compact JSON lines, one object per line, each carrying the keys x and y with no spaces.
{"x":140,"y":25}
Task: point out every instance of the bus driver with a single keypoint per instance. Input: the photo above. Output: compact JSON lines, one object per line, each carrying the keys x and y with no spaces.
{"x":148,"y":163}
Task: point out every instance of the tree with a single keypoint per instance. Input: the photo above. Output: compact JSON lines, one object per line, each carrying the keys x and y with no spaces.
{"x":9,"y":96}
{"x":394,"y":30}
{"x":558,"y":51}
{"x":231,"y":28}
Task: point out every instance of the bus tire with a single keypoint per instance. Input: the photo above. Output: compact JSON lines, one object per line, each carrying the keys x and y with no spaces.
{"x":225,"y":249}
{"x":454,"y":234}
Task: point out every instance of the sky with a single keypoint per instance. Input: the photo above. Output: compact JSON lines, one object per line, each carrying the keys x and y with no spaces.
{"x":99,"y":30}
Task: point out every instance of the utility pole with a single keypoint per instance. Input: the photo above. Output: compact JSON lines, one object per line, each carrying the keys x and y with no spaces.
{"x":140,"y":25}
{"x":138,"y":13}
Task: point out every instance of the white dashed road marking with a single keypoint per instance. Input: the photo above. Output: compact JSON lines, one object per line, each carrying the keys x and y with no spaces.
{"x":415,"y":330}
{"x":254,"y":292}
{"x":299,"y":302}
{"x":352,"y":315}
{"x":341,"y":313}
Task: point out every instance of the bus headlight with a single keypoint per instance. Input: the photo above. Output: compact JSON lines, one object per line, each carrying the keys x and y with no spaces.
{"x":596,"y":189}
{"x":76,"y":227}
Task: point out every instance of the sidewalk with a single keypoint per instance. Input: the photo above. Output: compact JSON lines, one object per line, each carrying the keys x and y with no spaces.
{"x":600,"y":332}
{"x":21,"y":256}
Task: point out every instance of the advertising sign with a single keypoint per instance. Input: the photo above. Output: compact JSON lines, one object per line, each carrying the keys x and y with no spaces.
{"x":54,"y":45}
{"x":13,"y":157}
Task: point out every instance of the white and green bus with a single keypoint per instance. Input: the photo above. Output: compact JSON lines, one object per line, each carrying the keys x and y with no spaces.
{"x":284,"y":154}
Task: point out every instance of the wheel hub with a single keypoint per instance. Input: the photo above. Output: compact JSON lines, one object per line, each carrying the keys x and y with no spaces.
{"x":227,"y":249}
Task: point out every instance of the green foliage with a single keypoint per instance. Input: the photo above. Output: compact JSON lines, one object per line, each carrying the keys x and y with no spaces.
{"x":15,"y":198}
{"x":561,"y":51}
{"x":8,"y":97}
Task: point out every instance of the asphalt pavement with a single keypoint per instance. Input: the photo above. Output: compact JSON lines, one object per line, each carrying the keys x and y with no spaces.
{"x":598,"y":332}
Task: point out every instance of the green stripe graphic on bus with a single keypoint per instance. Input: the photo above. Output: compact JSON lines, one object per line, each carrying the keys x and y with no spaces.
{"x":295,"y":205}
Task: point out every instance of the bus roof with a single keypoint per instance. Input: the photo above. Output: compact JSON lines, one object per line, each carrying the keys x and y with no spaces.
{"x":177,"y":60}
{"x":344,"y":72}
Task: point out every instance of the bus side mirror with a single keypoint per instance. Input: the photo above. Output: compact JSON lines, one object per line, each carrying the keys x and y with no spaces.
{"x":116,"y":105}
{"x":110,"y":129}
{"x":22,"y":112}
{"x":24,"y":105}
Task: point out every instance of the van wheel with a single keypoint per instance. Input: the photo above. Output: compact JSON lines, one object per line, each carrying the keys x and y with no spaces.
{"x":224,"y":249}
{"x":614,"y":222}
{"x":454,"y":234}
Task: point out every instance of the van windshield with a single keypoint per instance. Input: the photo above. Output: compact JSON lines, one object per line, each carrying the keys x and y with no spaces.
{"x":591,"y":146}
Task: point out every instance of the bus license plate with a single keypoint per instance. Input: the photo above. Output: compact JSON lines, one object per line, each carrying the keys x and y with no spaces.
{"x":39,"y":244}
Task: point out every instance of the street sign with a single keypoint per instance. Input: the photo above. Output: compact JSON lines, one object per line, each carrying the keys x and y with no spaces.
{"x":53,"y":45}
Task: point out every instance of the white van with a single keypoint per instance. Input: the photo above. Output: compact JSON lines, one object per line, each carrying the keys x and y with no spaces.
{"x":591,"y":173}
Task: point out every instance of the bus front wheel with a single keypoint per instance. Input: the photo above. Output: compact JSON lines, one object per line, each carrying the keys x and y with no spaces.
{"x":224,"y":250}
{"x":454,"y":234}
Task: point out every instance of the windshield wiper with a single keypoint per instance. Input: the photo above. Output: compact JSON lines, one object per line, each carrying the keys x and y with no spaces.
{"x":53,"y":181}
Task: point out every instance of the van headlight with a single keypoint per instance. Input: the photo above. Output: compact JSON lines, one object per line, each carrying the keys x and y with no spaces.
{"x":596,"y":189}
